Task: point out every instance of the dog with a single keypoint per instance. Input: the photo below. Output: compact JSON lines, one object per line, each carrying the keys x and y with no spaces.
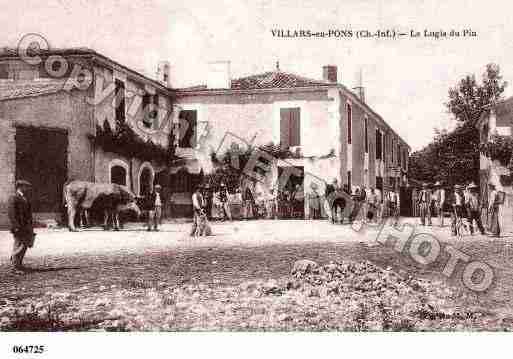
{"x":203,"y":227}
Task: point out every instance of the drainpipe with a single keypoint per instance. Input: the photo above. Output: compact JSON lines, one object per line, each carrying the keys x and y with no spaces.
{"x":131,"y":178}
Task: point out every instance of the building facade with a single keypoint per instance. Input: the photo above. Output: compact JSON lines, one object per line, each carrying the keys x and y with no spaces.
{"x":497,"y":120}
{"x":331,"y":131}
{"x":57,"y":108}
{"x":51,"y":111}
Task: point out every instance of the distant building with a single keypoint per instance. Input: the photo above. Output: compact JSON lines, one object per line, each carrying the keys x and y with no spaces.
{"x":497,"y":120}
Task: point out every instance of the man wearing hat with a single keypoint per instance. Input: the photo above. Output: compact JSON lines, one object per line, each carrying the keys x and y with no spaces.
{"x":424,"y":202}
{"x":439,"y":198}
{"x":154,"y":208}
{"x":473,"y":206}
{"x":20,"y":216}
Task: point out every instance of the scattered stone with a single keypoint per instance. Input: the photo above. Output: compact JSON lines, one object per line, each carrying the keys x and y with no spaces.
{"x":304,"y":266}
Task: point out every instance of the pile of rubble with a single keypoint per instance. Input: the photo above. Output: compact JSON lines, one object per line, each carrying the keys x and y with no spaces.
{"x":372,"y":298}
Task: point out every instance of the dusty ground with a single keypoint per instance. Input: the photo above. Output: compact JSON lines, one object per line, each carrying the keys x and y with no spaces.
{"x":135,"y":280}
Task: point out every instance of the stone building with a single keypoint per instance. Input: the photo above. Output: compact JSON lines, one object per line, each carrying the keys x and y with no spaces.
{"x":50,"y":111}
{"x":55,"y":107}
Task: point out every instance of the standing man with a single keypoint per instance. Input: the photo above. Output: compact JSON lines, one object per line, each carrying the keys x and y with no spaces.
{"x":270,"y":204}
{"x":20,"y":216}
{"x":474,"y":209}
{"x":223,"y":196}
{"x":154,"y":208}
{"x":314,"y":202}
{"x":207,"y":195}
{"x":372,"y":205}
{"x":424,"y":202}
{"x":248,"y":203}
{"x":393,"y":205}
{"x":330,"y":195}
{"x":458,"y":203}
{"x":379,"y":204}
{"x":197,"y":207}
{"x":493,"y":212}
{"x":439,"y":197}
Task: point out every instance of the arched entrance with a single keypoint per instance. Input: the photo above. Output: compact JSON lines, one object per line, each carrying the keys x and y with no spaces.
{"x":118,"y":172}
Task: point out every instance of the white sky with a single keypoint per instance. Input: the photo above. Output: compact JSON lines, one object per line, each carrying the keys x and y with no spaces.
{"x":406,"y":80}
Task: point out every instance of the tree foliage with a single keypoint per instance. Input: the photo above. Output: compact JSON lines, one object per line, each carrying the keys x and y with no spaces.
{"x":125,"y":141}
{"x":453,"y":157}
{"x":229,"y":166}
{"x":468,"y":99}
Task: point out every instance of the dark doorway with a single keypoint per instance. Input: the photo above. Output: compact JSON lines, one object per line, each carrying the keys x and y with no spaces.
{"x":118,"y":175}
{"x":405,"y":195}
{"x":41,"y":159}
{"x":145,"y":182}
{"x":292,"y":196}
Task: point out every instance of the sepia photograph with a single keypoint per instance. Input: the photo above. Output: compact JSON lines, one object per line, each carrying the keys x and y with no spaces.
{"x":194,"y":168}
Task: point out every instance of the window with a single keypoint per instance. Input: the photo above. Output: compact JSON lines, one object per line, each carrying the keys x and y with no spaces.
{"x":398,"y":159}
{"x":349,"y":124}
{"x":150,"y":110}
{"x":187,"y":131}
{"x":4,"y":71}
{"x":120,"y":101}
{"x":392,"y":149}
{"x":379,"y":145}
{"x":349,"y":180}
{"x":366,"y":136}
{"x":290,"y":127}
{"x":379,"y":183}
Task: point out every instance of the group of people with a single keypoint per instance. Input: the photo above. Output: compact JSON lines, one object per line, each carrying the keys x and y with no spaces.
{"x":369,"y":203}
{"x":245,"y":203}
{"x":462,"y":203}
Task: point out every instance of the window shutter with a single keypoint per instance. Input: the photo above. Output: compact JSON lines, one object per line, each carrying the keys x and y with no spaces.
{"x":154,"y":112}
{"x":284,"y":127}
{"x":192,"y":125}
{"x":295,"y":127}
{"x":188,"y":134}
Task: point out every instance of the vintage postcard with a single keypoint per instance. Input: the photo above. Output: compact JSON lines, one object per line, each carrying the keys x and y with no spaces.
{"x":268,"y":166}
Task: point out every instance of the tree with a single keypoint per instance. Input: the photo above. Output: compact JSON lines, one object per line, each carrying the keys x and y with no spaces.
{"x":453,"y":157}
{"x":468,"y":99}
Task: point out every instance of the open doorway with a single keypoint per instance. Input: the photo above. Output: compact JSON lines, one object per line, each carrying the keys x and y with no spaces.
{"x":291,"y":195}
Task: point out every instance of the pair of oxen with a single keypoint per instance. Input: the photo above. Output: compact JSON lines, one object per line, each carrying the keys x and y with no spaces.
{"x":111,"y":198}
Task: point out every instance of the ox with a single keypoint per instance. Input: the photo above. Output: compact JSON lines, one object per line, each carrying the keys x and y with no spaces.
{"x":112,"y":198}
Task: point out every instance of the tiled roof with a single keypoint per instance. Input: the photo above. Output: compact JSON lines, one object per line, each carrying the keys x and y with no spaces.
{"x":13,"y":90}
{"x":7,"y":53}
{"x":268,"y":80}
{"x":13,"y":52}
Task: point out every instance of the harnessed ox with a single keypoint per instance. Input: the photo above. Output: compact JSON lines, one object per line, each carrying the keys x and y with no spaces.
{"x":110,"y":197}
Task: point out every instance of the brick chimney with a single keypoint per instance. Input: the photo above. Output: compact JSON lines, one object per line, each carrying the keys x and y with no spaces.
{"x":329,"y":73}
{"x":163,"y":73}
